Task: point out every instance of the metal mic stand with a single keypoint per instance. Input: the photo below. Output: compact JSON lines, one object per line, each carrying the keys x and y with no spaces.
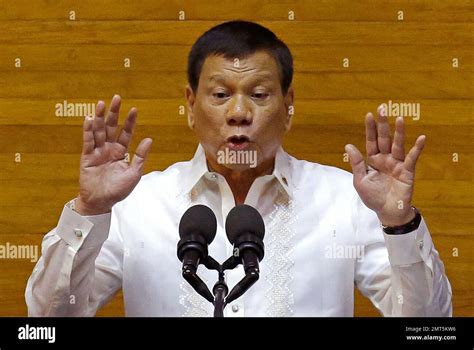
{"x":222,"y":297}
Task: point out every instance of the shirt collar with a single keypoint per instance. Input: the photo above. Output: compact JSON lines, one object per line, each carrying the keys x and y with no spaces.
{"x":198,"y":168}
{"x":282,"y":171}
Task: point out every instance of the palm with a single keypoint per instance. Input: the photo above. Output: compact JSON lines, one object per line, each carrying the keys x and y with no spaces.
{"x":386,"y":184}
{"x":105,"y":176}
{"x":105,"y":173}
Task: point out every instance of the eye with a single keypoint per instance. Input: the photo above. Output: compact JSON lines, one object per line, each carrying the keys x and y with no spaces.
{"x":220,"y":95}
{"x":260,"y":95}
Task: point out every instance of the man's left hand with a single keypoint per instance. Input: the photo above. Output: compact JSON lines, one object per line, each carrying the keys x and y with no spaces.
{"x":385,"y":184}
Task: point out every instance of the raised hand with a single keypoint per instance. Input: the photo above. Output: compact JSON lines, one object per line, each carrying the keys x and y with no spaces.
{"x":105,"y":176}
{"x":386,"y":183}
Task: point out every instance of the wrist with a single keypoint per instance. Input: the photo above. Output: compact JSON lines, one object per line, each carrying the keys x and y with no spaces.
{"x":408,"y":226}
{"x":85,"y":209}
{"x":392,"y":221}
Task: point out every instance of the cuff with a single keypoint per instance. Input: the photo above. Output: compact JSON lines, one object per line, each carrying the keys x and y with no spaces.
{"x":83,"y":231}
{"x":409,"y":248}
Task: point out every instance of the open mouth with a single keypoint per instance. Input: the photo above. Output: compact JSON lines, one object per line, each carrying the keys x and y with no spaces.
{"x":237,"y":142}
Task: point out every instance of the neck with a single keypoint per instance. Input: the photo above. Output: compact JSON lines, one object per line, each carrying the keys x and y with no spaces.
{"x":240,"y":181}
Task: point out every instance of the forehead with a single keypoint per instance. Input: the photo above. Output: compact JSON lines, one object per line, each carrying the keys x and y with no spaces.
{"x":259,"y":65}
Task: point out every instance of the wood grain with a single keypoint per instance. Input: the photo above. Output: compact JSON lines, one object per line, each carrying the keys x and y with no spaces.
{"x":162,"y":111}
{"x":172,"y":58}
{"x":82,"y":61}
{"x":305,"y":10}
{"x":186,"y":32}
{"x":363,"y":85}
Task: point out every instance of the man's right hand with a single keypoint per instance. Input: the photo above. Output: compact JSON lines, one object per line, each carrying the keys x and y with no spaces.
{"x":105,"y":176}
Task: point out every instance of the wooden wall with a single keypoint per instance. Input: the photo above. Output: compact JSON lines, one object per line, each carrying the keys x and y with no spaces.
{"x":82,"y":60}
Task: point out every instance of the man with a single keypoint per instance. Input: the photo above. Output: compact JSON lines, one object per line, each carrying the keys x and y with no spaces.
{"x":326,"y":230}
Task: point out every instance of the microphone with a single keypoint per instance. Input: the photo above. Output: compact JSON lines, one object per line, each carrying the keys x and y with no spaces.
{"x":197,"y":229}
{"x":245,"y":230}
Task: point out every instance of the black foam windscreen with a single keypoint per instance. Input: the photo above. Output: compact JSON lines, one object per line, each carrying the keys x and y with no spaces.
{"x":198,"y":220}
{"x":244,"y":219}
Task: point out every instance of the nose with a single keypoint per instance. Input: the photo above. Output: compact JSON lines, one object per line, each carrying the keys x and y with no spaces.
{"x":238,"y":113}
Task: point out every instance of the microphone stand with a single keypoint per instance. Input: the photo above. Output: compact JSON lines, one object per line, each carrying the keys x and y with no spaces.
{"x":221,"y":297}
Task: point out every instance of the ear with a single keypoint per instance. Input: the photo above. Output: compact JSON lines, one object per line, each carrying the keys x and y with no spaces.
{"x":289,"y":107}
{"x":190,"y":99}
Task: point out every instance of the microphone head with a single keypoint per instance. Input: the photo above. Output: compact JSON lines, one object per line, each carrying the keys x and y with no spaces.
{"x":244,"y":219}
{"x":198,"y":220}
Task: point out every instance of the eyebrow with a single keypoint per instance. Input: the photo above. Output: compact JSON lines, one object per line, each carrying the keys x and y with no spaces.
{"x":258,"y":77}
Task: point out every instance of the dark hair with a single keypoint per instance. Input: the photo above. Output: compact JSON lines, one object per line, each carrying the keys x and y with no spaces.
{"x":238,"y":39}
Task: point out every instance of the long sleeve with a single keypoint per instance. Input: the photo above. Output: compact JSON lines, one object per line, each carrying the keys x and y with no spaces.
{"x":80,"y":269}
{"x":402,"y":275}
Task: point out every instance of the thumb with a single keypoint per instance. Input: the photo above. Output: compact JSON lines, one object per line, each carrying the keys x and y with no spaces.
{"x":359,"y":168}
{"x":141,"y":154}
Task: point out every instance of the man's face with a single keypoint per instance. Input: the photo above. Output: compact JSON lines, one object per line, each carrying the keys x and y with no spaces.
{"x":239,"y":106}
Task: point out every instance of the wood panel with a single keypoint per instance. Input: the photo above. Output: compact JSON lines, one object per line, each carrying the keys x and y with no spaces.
{"x":363,"y":85}
{"x":337,"y":10}
{"x":181,"y":32}
{"x":162,"y":111}
{"x":172,"y":58}
{"x":82,"y":60}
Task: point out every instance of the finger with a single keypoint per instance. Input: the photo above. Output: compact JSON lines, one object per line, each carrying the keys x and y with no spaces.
{"x":112,"y":119}
{"x":359,"y":168}
{"x":398,"y":146}
{"x":370,"y":135}
{"x":99,"y":124}
{"x":412,"y":156}
{"x":383,"y":131}
{"x":127,"y":131}
{"x":141,"y":154}
{"x":88,"y":142}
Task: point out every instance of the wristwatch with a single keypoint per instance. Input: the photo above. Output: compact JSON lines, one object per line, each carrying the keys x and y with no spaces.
{"x":406,"y":228}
